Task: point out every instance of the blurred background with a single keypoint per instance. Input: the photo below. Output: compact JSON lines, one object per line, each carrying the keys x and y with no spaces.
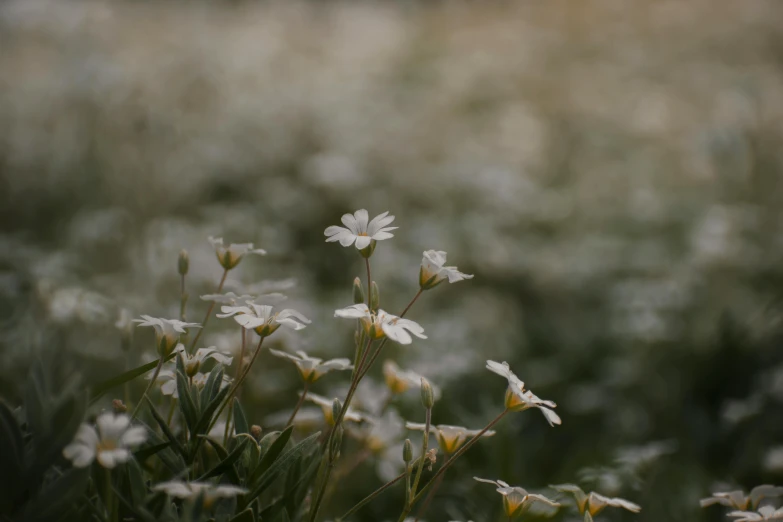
{"x":609,"y":171}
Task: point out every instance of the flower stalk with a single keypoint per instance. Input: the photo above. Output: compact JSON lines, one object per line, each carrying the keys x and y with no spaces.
{"x":298,"y":404}
{"x":371,"y":496}
{"x":209,"y":310}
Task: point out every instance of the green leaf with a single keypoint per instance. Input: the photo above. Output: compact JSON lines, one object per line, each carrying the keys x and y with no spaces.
{"x":244,"y":516}
{"x":227,"y":463}
{"x":150,"y":450}
{"x":136,"y":486}
{"x":99,"y":389}
{"x":269,"y":456}
{"x":164,"y":426}
{"x":206,"y":416}
{"x":283,"y":516}
{"x":186,"y":404}
{"x":282,"y":464}
{"x":240,"y":421}
{"x":51,"y":500}
{"x":11,"y":459}
{"x":212,"y":385}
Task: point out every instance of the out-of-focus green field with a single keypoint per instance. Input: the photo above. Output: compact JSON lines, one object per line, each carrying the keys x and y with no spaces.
{"x":609,"y":171}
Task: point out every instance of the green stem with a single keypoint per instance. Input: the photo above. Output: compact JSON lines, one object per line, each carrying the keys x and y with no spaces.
{"x":371,"y":496}
{"x":429,"y":498}
{"x":319,"y":498}
{"x":408,"y":493}
{"x":369,"y":282}
{"x":183,"y":298}
{"x":109,"y":496}
{"x":149,"y":386}
{"x":230,"y":416}
{"x":458,"y":454}
{"x":415,"y":297}
{"x":424,"y":446}
{"x":172,"y":407}
{"x":298,"y":404}
{"x":209,"y":312}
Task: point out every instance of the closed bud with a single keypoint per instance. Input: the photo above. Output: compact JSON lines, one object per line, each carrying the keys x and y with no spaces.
{"x":407,"y":451}
{"x":367,"y":251}
{"x":375,"y":297}
{"x":118,"y":406}
{"x":427,"y":397}
{"x":358,"y":291}
{"x":183,"y":262}
{"x":336,"y":407}
{"x":337,"y":440}
{"x":255,"y":431}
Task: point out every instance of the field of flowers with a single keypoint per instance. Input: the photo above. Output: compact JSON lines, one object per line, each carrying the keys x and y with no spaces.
{"x":606,"y":181}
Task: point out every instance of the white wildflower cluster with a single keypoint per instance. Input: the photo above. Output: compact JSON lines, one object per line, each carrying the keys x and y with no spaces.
{"x":200,"y":390}
{"x":746,"y":507}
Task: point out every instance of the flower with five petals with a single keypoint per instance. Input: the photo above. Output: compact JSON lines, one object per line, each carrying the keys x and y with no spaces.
{"x":381,"y":324}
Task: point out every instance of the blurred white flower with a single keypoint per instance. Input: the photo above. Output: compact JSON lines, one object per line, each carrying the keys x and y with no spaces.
{"x":382,"y":324}
{"x":326,"y":405}
{"x":517,"y":500}
{"x":312,"y":368}
{"x":593,"y":503}
{"x":739,"y":500}
{"x":359,"y":231}
{"x":110,"y":444}
{"x":763,"y":513}
{"x":229,"y":298}
{"x":230,"y":256}
{"x":519,"y":399}
{"x":773,"y":459}
{"x":192,"y":363}
{"x":400,"y":381}
{"x":262,"y":319}
{"x":193,"y":490}
{"x":433,"y":272}
{"x":450,"y":438}
{"x":167,"y":331}
{"x":167,"y":379}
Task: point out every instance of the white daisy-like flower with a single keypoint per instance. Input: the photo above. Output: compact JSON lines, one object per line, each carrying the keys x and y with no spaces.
{"x":359,"y":231}
{"x":517,"y":500}
{"x":433,"y":272}
{"x":593,"y":503}
{"x":763,"y":513}
{"x":740,"y":500}
{"x":312,"y":368}
{"x":193,"y":490}
{"x":167,"y":379}
{"x":399,"y":380}
{"x":519,"y":399}
{"x":380,"y":324}
{"x":450,"y":438}
{"x":110,"y":444}
{"x":326,"y":405}
{"x":192,"y":363}
{"x":263,"y":319}
{"x":230,"y":256}
{"x":167,"y":331}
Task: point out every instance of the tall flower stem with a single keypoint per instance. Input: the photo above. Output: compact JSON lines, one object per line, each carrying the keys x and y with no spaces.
{"x":235,"y":387}
{"x":239,"y":369}
{"x":458,"y":454}
{"x":424,"y":445}
{"x":371,"y":496}
{"x":109,"y":498}
{"x":415,"y":297}
{"x":183,"y":298}
{"x":369,"y":282}
{"x":209,"y":311}
{"x":298,"y":404}
{"x":149,"y":386}
{"x":429,"y":498}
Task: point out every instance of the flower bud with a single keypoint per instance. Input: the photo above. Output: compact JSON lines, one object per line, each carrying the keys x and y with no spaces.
{"x":430,"y":458}
{"x":375,"y":297}
{"x":358,"y":291}
{"x":118,"y":406}
{"x":336,"y":407}
{"x":183,"y":262}
{"x":255,"y":431}
{"x":407,"y":451}
{"x":427,"y":396}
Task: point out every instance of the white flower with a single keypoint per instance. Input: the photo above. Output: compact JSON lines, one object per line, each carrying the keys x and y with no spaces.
{"x":192,"y":363}
{"x":359,"y":231}
{"x":230,"y":256}
{"x":167,"y":378}
{"x":229,"y":298}
{"x":262,"y":319}
{"x":400,"y":381}
{"x":593,"y":502}
{"x":450,"y":438}
{"x":192,"y":490}
{"x":433,"y":271}
{"x":326,"y":405}
{"x":764,"y":513}
{"x":376,"y":325}
{"x":517,"y":500}
{"x":519,"y":399}
{"x":167,"y":331}
{"x":312,"y":368}
{"x":110,"y":444}
{"x":739,"y":500}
